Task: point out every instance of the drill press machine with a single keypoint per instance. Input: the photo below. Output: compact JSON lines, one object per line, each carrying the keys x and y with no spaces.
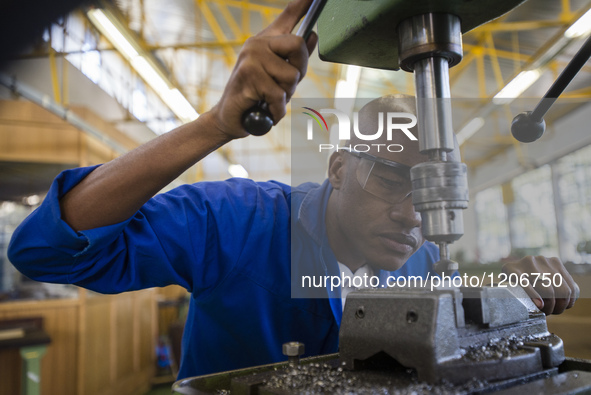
{"x":457,"y":340}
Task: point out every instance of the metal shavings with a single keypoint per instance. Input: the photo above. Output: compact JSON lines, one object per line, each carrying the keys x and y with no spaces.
{"x":324,"y":378}
{"x":500,"y":348}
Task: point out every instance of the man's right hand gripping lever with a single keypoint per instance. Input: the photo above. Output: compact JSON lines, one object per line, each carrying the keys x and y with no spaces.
{"x":269,"y":67}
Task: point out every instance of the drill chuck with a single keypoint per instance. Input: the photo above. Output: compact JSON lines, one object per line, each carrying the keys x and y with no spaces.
{"x":440,"y":193}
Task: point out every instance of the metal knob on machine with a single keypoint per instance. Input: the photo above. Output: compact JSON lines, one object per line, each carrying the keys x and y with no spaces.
{"x":527,"y":129}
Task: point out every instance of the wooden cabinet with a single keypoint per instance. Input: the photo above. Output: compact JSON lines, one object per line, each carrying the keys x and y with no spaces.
{"x":101,"y":344}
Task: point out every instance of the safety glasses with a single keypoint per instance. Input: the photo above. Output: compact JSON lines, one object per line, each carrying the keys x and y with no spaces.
{"x":383,"y":178}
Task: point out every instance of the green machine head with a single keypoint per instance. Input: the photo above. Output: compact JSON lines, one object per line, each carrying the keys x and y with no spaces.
{"x":365,"y":32}
{"x":423,"y":37}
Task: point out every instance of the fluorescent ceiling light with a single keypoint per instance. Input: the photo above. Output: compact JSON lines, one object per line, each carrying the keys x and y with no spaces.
{"x":181,"y":106}
{"x":353,"y":74}
{"x":236,"y":170}
{"x":347,"y":88}
{"x":344,"y":90}
{"x":32,"y":200}
{"x":109,"y":30}
{"x":150,"y":75}
{"x":139,"y":59}
{"x":581,"y":27}
{"x":470,"y":129}
{"x":517,"y":86}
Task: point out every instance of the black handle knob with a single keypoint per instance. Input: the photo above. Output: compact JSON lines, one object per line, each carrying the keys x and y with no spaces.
{"x":527,"y":129}
{"x":257,"y":120}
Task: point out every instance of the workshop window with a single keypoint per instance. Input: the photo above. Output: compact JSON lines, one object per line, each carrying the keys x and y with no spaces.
{"x":574,"y":184}
{"x":493,"y":229}
{"x":532,"y":217}
{"x":110,"y":71}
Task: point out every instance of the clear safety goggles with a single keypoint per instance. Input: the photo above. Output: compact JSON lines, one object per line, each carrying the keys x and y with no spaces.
{"x":383,"y":178}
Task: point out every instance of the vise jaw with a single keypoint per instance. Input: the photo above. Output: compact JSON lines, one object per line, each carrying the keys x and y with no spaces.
{"x":451,"y":334}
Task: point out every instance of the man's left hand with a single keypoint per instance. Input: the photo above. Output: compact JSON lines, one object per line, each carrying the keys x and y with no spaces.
{"x":551,"y":297}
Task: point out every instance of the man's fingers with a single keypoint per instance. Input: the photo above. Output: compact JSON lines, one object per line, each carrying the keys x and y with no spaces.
{"x":293,"y":49}
{"x":549,"y":301}
{"x":574,"y":296}
{"x":568,"y":282}
{"x":535,"y":296}
{"x":284,"y":74}
{"x":289,"y":18}
{"x":311,"y":43}
{"x":553,"y":283}
{"x":285,"y":63}
{"x":268,"y":69}
{"x":560,"y":304}
{"x":565,"y":288}
{"x":269,"y":91}
{"x":568,"y":292}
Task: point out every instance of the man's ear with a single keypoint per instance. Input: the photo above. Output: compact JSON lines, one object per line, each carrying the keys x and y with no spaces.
{"x":336,"y":170}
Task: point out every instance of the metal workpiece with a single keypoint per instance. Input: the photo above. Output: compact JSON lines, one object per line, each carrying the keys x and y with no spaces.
{"x":429,"y":35}
{"x":445,"y":265}
{"x":500,"y":308}
{"x":450,"y":334}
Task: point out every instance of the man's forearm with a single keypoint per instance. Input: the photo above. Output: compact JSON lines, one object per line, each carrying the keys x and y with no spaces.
{"x":115,"y":191}
{"x":269,"y":67}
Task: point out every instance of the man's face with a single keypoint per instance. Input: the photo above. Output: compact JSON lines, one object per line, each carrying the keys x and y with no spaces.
{"x":365,"y":223}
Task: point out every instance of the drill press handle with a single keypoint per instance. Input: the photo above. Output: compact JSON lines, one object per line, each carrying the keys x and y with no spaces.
{"x":257,"y":120}
{"x":530,"y":125}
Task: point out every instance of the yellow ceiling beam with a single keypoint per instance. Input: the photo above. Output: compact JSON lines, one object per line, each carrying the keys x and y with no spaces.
{"x":231,"y":22}
{"x":473,"y":50}
{"x":480,"y":74}
{"x":566,"y":12}
{"x":516,"y":52}
{"x":519,"y":26}
{"x":326,"y":85}
{"x":247,"y":5}
{"x":200,"y":44}
{"x":230,"y":54}
{"x":204,"y":87}
{"x":457,"y":71}
{"x":498,"y":52}
{"x":496,"y":66}
{"x":476,"y":51}
{"x":245,"y":20}
{"x":584,"y":93}
{"x":54,"y":77}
